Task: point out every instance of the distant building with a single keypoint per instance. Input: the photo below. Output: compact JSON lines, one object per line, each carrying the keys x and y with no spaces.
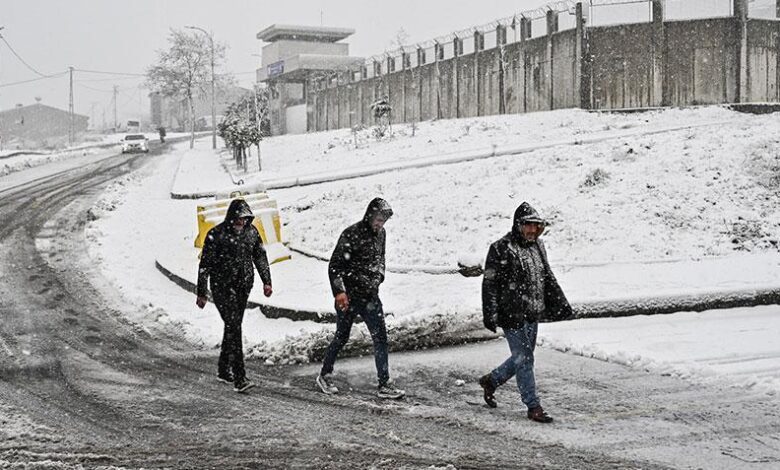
{"x":38,"y":124}
{"x":294,"y":56}
{"x":173,"y":114}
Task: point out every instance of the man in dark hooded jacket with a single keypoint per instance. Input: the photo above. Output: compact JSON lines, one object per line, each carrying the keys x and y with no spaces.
{"x":231,"y":252}
{"x":518,"y":290}
{"x":356,"y":269}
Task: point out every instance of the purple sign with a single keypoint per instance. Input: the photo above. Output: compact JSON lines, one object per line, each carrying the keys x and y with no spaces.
{"x":277,"y":68}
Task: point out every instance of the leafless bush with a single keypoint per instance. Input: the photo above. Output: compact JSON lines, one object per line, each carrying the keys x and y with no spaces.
{"x":595,"y":178}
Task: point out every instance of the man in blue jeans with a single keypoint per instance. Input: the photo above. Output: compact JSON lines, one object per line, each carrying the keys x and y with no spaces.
{"x":518,"y":290}
{"x":356,"y":269}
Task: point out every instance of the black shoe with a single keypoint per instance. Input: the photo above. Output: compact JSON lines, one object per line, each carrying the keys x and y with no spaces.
{"x":489,"y":390}
{"x":225,"y":379}
{"x":539,"y":415}
{"x":243,"y":386}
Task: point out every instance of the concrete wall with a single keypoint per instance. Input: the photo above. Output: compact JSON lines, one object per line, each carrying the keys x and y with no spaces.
{"x":673,"y":63}
{"x":622,"y":72}
{"x":702,"y":62}
{"x":280,"y":50}
{"x":763,"y":37}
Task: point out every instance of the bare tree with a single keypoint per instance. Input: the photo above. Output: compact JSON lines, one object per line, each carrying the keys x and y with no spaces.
{"x":183,"y":70}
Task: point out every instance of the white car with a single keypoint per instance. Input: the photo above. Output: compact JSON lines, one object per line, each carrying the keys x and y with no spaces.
{"x":135,"y":143}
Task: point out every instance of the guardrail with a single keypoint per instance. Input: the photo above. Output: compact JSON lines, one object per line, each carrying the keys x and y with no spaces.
{"x":267,"y":221}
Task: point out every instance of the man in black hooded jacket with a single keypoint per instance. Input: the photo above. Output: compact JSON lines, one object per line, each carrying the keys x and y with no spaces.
{"x":518,"y":290}
{"x":356,"y":269}
{"x":231,"y":252}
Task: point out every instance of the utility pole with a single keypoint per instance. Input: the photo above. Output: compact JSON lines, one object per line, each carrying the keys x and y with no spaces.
{"x":213,"y":96}
{"x":257,"y":123}
{"x":1,"y":130}
{"x":116,"y":123}
{"x":92,"y":105}
{"x":140,"y":105}
{"x":71,"y":137}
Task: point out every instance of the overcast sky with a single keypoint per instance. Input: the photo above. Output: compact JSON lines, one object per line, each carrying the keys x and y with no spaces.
{"x":123,"y":36}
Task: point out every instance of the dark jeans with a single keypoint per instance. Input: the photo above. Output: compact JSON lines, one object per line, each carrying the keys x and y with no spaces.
{"x":520,"y":364}
{"x":374,"y":317}
{"x":231,"y":356}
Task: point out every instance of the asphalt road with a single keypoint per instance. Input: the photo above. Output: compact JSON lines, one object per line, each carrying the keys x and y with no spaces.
{"x":81,"y":386}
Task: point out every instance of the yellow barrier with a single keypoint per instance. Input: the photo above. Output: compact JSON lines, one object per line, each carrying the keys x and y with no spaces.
{"x":267,"y":221}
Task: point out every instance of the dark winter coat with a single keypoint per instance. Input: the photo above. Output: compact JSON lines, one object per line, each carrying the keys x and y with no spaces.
{"x":505,"y":296}
{"x":357,"y":265}
{"x":228,"y":259}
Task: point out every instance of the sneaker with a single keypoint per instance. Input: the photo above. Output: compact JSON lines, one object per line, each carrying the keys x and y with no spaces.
{"x":389,"y":391}
{"x":326,"y":385}
{"x":225,"y":379}
{"x":243,"y":386}
{"x":488,"y":390}
{"x":539,"y":415}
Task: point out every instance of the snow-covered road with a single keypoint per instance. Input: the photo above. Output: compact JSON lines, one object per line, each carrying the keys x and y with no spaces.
{"x":599,"y":406}
{"x":84,"y":387}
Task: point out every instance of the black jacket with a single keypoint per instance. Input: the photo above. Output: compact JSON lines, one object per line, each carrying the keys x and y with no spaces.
{"x":228,"y":257}
{"x":357,"y":265}
{"x":506,"y":275}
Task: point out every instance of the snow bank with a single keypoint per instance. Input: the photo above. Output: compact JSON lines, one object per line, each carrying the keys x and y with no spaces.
{"x":686,"y":194}
{"x":738,"y":345}
{"x":23,"y":161}
{"x":294,"y":155}
{"x":136,"y":213}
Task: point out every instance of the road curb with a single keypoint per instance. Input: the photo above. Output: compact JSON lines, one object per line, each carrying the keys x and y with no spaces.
{"x":269,"y":311}
{"x":610,"y":308}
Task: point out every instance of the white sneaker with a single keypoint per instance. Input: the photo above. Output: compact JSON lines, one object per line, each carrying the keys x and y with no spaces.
{"x":389,"y":391}
{"x":325,"y":385}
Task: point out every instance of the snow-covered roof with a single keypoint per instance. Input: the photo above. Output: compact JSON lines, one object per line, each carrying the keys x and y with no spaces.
{"x":304,"y":33}
{"x":42,"y":108}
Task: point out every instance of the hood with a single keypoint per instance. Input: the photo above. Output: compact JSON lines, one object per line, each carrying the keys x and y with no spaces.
{"x":526,"y":214}
{"x":238,"y":209}
{"x":377,"y":206}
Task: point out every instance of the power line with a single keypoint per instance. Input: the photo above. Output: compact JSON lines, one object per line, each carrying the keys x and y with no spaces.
{"x":101,"y":90}
{"x":20,"y":58}
{"x":111,"y":73}
{"x":131,"y":98}
{"x":112,"y":79}
{"x":93,"y":89}
{"x":4,"y":85}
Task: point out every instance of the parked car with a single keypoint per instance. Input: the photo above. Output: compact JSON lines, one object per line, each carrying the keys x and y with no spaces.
{"x":135,"y":143}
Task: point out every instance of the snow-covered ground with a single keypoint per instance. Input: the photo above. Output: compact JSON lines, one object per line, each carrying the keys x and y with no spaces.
{"x":686,"y":197}
{"x":296,"y":155}
{"x":201,"y":172}
{"x":739,"y":344}
{"x":686,"y":194}
{"x":23,"y":161}
{"x":136,"y":214}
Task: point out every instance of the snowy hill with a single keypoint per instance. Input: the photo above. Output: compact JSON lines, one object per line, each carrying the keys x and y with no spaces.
{"x":705,"y":191}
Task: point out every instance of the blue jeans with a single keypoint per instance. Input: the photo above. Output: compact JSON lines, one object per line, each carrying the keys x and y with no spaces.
{"x":374,"y":317}
{"x":520,"y":364}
